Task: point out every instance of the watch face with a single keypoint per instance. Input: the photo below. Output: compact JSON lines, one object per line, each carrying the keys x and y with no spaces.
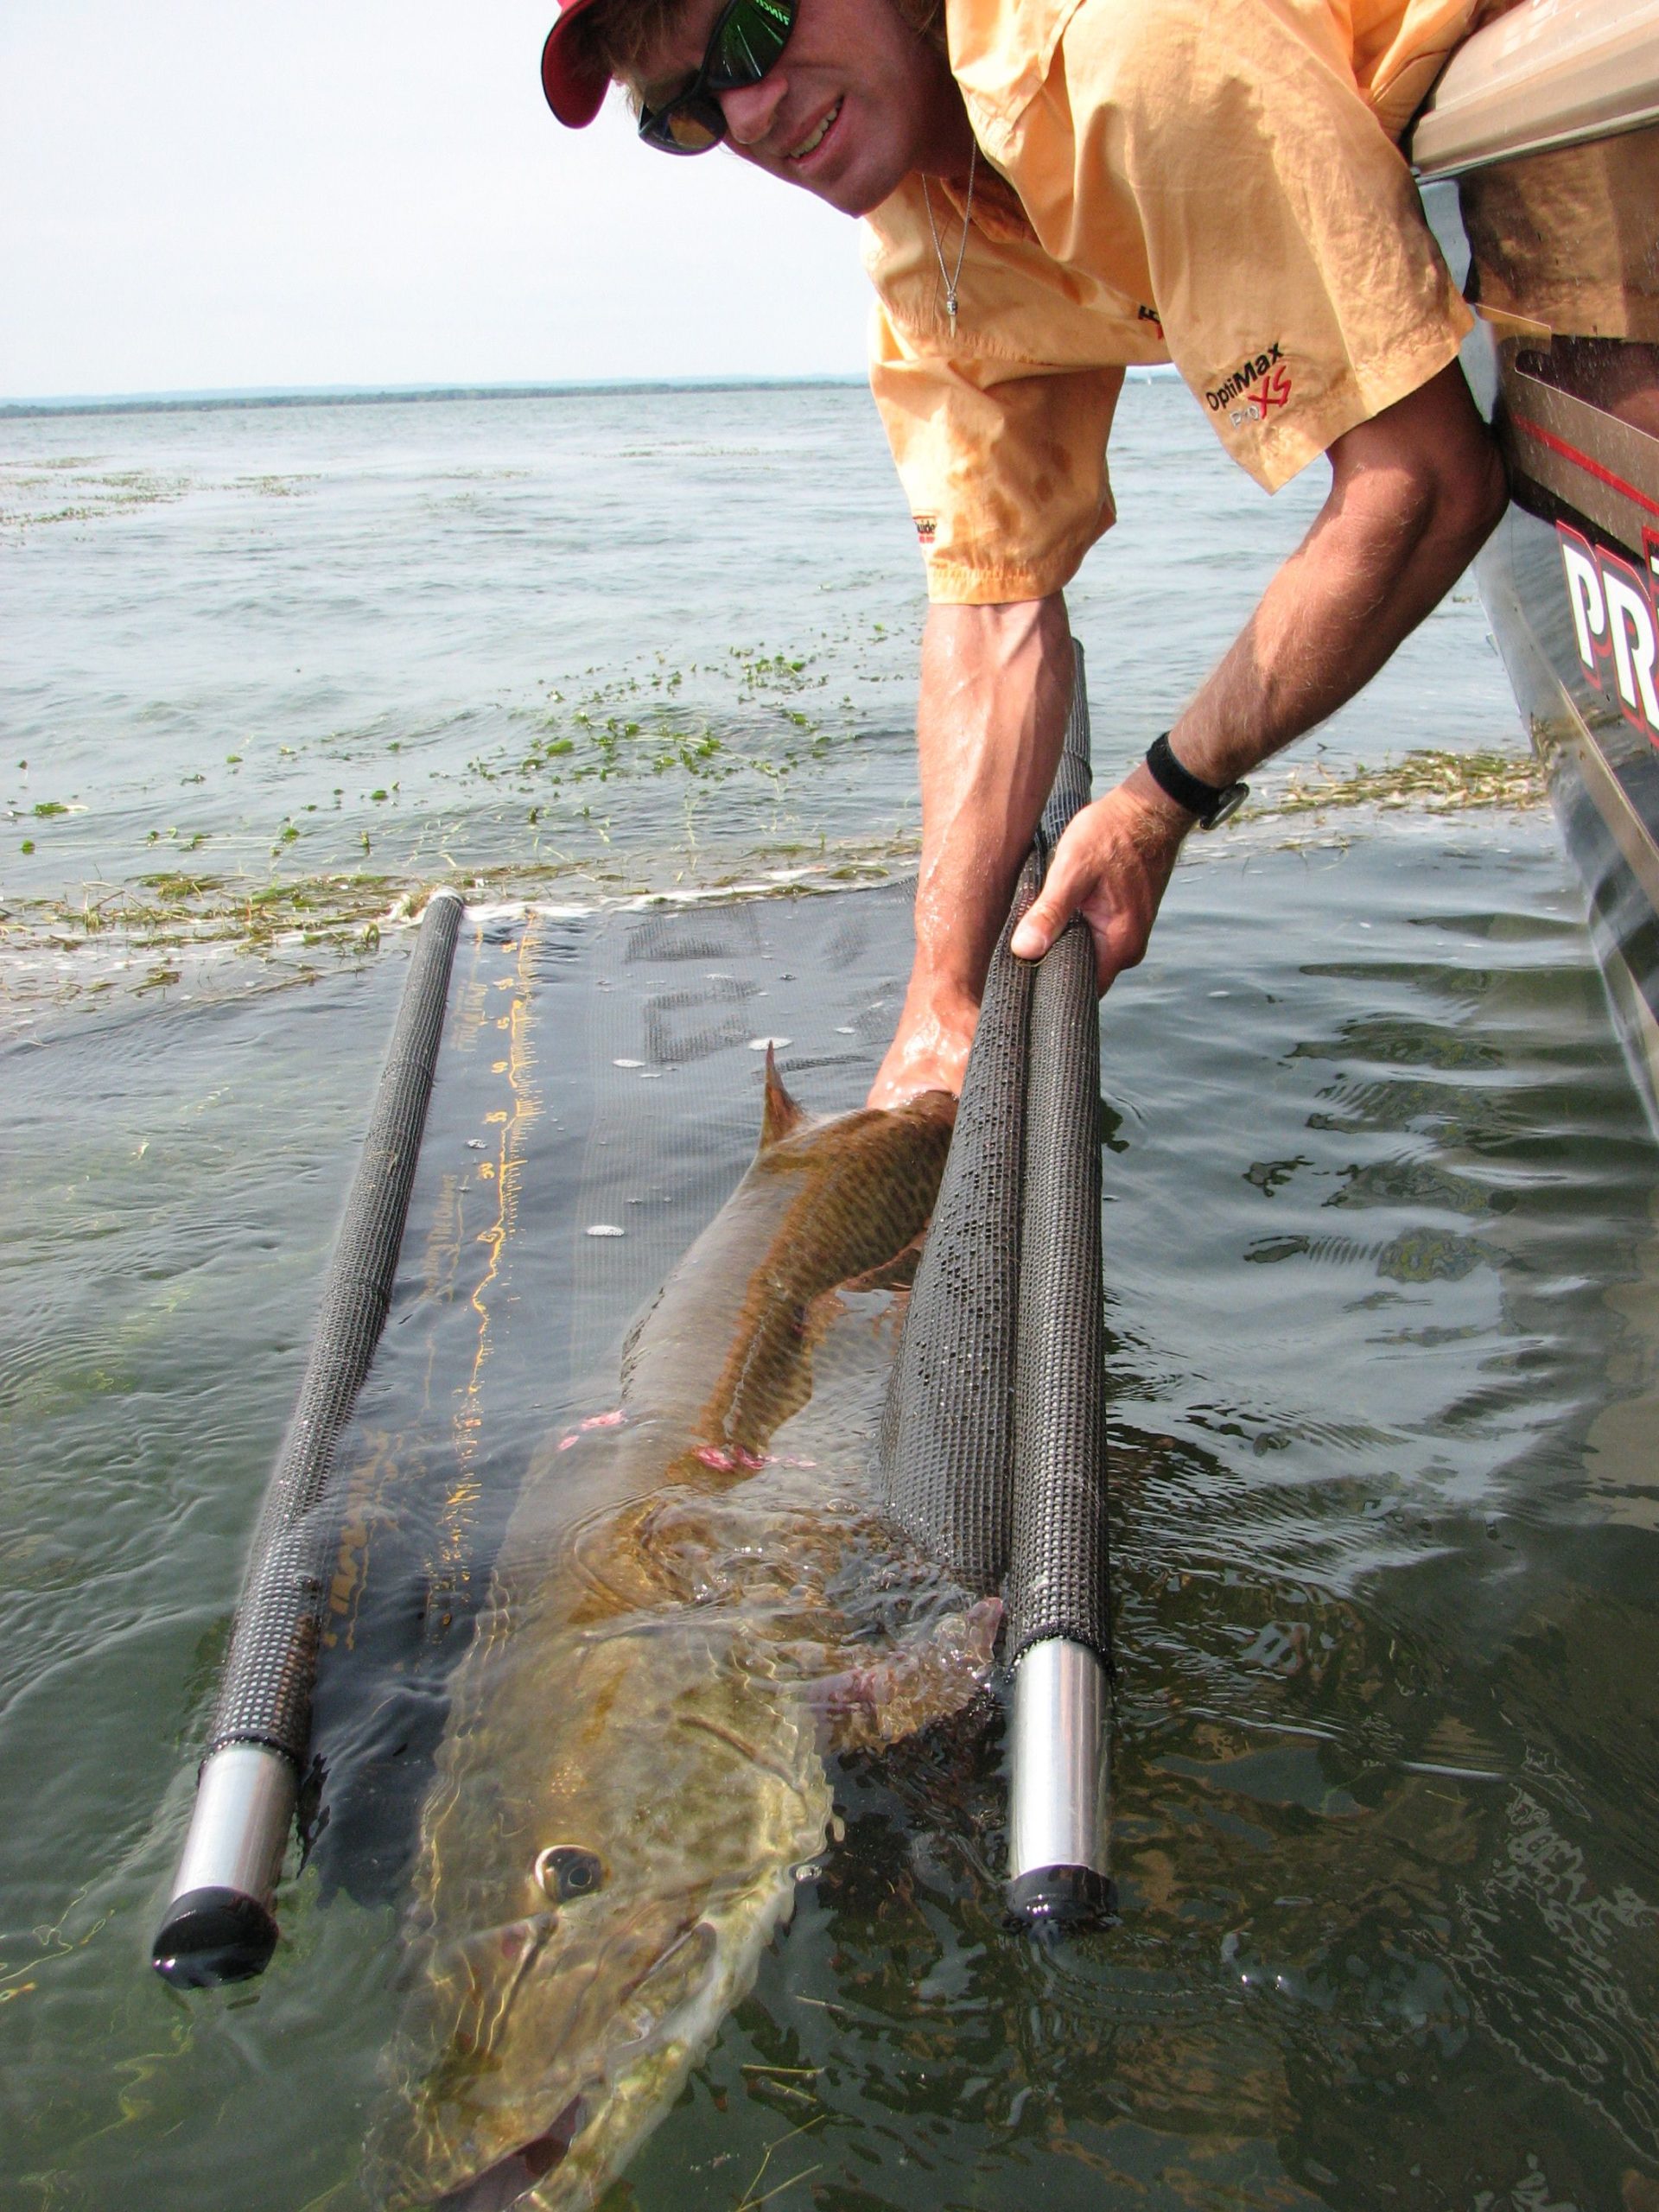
{"x":1228,"y":804}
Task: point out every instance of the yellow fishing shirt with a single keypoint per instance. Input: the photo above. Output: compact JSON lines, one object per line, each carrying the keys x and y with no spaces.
{"x":1211,"y":182}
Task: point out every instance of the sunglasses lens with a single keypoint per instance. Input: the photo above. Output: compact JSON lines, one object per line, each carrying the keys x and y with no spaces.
{"x":684,"y":126}
{"x":691,"y":130}
{"x":751,"y":36}
{"x":747,"y":38}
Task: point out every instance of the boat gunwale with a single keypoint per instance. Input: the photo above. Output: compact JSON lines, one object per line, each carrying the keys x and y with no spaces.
{"x":1539,"y":77}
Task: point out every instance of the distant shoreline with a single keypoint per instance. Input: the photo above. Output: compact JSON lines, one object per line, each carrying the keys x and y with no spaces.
{"x":169,"y":402}
{"x":183,"y":403}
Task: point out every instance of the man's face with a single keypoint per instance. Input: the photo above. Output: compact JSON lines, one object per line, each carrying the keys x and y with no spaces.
{"x":856,"y":102}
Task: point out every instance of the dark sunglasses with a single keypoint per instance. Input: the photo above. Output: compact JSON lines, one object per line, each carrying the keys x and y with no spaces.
{"x":748,"y":37}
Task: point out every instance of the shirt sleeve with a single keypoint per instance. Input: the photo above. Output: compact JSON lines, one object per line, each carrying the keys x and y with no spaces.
{"x":1000,"y":431}
{"x":1005,"y":472}
{"x":1299,"y":287}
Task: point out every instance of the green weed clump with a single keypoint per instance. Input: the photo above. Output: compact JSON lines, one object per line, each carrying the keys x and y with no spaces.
{"x":1438,"y":782}
{"x":174,"y":910}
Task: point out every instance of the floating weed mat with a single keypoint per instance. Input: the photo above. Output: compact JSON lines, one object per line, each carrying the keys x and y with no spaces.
{"x":212,"y":934}
{"x":78,"y":489}
{"x":1439,"y":783}
{"x":150,"y":926}
{"x":177,"y":908}
{"x":84,"y":488}
{"x":193,"y":928}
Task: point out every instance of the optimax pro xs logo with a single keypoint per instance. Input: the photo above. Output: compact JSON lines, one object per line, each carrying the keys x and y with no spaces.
{"x":1614,"y":623}
{"x":1258,"y":385}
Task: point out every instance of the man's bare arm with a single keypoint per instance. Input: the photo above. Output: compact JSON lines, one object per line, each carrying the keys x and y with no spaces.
{"x":1413,"y":492}
{"x":995,"y":690}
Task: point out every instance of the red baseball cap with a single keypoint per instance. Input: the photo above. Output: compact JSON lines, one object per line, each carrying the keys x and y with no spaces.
{"x":575,"y":86}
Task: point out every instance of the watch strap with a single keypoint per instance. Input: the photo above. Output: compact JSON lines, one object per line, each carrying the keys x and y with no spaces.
{"x":1210,"y":803}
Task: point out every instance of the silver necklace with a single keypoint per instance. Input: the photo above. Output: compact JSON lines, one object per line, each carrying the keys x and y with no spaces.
{"x":951,"y":279}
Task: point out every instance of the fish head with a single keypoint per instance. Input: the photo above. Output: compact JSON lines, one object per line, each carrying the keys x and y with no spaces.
{"x":585,"y":1939}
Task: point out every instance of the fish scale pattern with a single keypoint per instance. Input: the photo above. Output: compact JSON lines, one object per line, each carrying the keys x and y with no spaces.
{"x":264,"y":1693}
{"x":993,"y":1444}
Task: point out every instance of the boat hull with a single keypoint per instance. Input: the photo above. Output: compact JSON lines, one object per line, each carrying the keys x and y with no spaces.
{"x":1540,"y":157}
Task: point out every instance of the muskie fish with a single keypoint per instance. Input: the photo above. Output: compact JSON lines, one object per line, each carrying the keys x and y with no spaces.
{"x":632,"y":1774}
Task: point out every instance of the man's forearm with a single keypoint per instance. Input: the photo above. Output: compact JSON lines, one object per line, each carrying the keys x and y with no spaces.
{"x":995,"y":691}
{"x":1413,"y":494}
{"x":1379,"y":558}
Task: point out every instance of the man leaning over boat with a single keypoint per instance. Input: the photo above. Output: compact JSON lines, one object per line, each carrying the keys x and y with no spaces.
{"x":1053,"y":190}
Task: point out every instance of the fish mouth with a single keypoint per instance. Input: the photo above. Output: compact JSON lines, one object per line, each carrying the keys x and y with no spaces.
{"x":437,"y":2165}
{"x":510,"y":2180}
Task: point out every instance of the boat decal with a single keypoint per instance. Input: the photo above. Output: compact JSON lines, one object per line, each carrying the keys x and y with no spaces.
{"x":1616,"y":624}
{"x":1596,"y":468}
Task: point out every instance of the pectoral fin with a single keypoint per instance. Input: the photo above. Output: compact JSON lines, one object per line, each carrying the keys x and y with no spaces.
{"x":878,"y":1698}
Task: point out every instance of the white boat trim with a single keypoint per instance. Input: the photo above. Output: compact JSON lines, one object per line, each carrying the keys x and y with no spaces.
{"x":1550,"y":72}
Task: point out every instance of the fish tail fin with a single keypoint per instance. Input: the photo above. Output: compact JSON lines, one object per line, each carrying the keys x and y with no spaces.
{"x":780,"y":1114}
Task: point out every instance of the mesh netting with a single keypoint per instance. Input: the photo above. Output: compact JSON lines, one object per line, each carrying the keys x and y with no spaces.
{"x":265,"y":1693}
{"x":1057,"y":1580}
{"x":598,"y":1095}
{"x":947,"y":1436}
{"x":598,"y":1092}
{"x":992,"y":1445}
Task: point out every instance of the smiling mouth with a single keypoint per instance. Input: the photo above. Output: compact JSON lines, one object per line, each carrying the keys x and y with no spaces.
{"x":810,"y":144}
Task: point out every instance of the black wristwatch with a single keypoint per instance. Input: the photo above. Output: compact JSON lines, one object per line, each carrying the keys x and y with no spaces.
{"x":1211,"y":806}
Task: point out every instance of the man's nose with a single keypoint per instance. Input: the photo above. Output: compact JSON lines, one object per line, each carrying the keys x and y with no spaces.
{"x":751,"y":110}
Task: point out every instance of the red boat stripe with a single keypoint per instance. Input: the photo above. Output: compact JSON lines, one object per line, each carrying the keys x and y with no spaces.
{"x":1571,"y":453}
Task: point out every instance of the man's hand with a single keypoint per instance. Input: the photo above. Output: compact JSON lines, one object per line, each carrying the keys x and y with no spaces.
{"x":1413,"y":494}
{"x":1112,"y":867}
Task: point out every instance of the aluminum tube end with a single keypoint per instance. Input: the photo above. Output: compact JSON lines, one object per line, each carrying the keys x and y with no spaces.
{"x":220,"y":1925}
{"x":1057,"y":1826}
{"x":1062,"y":1897}
{"x":213,"y":1935}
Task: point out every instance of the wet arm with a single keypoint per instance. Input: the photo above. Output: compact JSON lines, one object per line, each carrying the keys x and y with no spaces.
{"x":995,"y":690}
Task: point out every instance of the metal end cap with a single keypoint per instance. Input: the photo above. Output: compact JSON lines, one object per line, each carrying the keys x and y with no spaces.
{"x":213,"y":1935}
{"x":1062,"y":1897}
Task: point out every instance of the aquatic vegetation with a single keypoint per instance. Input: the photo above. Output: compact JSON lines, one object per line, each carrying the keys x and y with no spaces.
{"x":33,"y":497}
{"x":1439,"y":782}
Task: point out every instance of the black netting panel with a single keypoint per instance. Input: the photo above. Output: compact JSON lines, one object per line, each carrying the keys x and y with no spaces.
{"x":265,"y":1693}
{"x":992,"y":1445}
{"x":1056,"y":1583}
{"x":947,"y":1435}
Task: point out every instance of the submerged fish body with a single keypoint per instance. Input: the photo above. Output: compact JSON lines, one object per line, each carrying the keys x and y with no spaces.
{"x":632,"y":1773}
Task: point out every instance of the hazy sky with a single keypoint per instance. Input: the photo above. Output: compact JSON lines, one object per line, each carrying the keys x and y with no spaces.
{"x":195,"y":193}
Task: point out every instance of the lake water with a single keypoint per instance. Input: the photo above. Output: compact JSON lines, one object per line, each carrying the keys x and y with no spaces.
{"x":1383,"y":1266}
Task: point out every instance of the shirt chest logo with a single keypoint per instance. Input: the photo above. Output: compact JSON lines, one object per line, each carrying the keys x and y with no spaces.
{"x":1259,"y":385}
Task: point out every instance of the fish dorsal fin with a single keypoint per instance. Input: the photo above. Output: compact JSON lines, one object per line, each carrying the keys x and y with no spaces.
{"x":780,"y":1115}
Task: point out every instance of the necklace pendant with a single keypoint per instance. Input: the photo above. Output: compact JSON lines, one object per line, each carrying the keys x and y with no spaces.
{"x":951,"y":311}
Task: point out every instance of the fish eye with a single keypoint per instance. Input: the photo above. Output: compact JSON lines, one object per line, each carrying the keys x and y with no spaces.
{"x":566,"y":1870}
